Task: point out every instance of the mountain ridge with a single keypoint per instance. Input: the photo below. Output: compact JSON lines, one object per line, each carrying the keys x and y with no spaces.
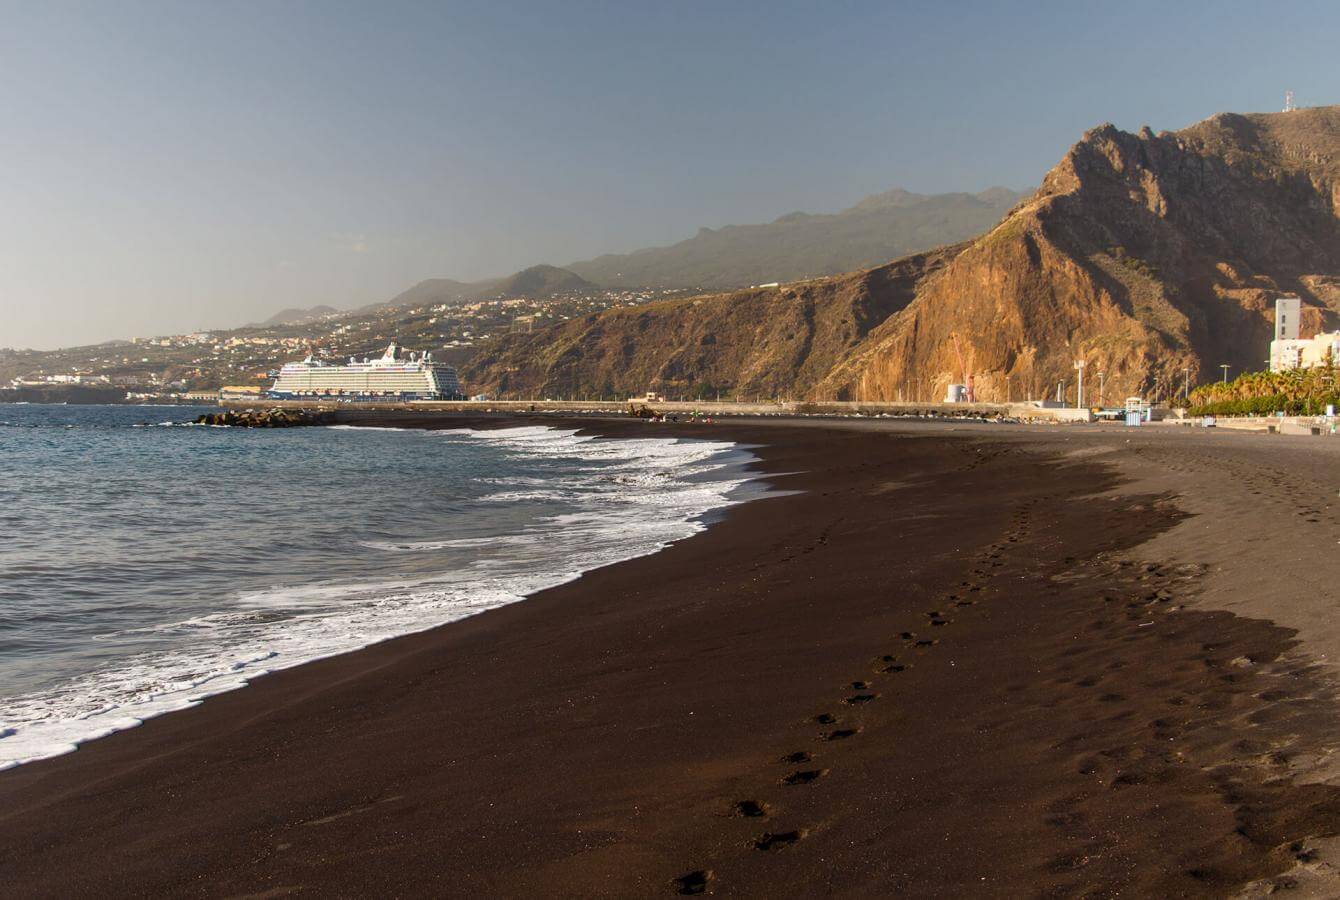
{"x":873,"y":230}
{"x":297,"y":316}
{"x":540,"y":281}
{"x":1152,"y":257}
{"x":798,"y":245}
{"x":780,"y":339}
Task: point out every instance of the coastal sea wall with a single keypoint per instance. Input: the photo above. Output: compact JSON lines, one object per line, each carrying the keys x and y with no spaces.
{"x":684,"y":408}
{"x":1299,"y":425}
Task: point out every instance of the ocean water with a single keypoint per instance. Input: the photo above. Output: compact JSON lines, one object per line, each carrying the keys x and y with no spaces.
{"x":146,"y":563}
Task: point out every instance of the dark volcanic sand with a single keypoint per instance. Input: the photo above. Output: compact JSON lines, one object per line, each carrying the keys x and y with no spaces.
{"x":941,"y":670}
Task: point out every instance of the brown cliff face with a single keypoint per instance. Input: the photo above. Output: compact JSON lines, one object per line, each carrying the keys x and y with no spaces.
{"x":764,"y":342}
{"x":1142,"y":254}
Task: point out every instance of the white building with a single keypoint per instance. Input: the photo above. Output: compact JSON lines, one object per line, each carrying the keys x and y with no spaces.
{"x":1288,"y":310}
{"x":1289,"y":351}
{"x":1305,"y":353}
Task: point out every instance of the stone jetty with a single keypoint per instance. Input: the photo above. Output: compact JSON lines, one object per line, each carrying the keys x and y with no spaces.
{"x":262,"y":418}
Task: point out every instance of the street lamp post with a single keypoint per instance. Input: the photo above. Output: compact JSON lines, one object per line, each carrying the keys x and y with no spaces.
{"x":1101,"y":382}
{"x":1079,"y":394}
{"x":1186,"y":385}
{"x":1225,"y":367}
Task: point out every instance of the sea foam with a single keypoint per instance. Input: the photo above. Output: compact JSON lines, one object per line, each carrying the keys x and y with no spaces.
{"x":622,"y":498}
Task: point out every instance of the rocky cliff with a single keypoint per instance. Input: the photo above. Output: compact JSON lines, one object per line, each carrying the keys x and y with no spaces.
{"x":764,"y":342}
{"x":1143,"y":254}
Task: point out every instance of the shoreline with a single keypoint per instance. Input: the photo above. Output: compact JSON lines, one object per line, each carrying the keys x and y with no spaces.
{"x":618,"y":732}
{"x":729,"y":482}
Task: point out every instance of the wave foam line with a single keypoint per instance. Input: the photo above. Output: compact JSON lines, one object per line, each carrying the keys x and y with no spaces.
{"x":644,"y":505}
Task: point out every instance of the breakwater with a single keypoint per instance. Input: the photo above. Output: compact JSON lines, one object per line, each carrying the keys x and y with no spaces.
{"x":1022,"y":411}
{"x":267,"y":417}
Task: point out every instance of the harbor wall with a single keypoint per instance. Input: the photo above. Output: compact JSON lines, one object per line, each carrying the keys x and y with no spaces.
{"x":684,"y":408}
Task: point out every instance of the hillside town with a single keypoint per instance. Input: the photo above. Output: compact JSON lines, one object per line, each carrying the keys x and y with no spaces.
{"x":195,"y":366}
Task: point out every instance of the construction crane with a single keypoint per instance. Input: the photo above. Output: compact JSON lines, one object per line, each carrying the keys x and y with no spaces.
{"x":965,"y":366}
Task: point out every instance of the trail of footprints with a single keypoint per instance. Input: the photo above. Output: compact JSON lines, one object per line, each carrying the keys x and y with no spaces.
{"x":1278,"y":489}
{"x":820,"y":541}
{"x":801,"y":767}
{"x":1216,"y":720}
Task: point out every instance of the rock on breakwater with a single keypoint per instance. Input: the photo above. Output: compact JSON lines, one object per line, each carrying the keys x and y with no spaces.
{"x":262,"y":418}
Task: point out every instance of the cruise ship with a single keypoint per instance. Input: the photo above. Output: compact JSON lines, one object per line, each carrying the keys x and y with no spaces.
{"x":396,"y":375}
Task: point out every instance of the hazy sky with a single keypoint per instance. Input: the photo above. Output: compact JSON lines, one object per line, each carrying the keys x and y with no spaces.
{"x":172,"y":166}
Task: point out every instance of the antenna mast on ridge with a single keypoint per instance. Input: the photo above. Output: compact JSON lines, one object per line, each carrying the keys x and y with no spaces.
{"x":1288,"y":102}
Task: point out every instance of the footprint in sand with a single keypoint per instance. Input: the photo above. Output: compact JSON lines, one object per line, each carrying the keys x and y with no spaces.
{"x":804,"y":776}
{"x":693,"y":882}
{"x":778,"y":840}
{"x":750,"y":809}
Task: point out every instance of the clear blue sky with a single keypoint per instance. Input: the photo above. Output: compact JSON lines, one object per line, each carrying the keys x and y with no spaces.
{"x":170,"y":166}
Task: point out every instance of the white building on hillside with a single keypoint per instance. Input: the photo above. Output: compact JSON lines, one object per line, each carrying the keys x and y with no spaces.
{"x":1288,"y":310}
{"x":1305,"y":353}
{"x":1289,"y":351}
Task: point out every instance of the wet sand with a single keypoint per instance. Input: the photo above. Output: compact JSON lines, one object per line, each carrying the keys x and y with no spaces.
{"x":960,"y":661}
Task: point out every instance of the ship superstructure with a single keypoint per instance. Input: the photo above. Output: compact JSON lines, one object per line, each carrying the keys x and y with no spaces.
{"x":396,"y":375}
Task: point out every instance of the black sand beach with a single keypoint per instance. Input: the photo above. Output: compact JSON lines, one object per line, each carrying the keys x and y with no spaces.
{"x":948,"y":665}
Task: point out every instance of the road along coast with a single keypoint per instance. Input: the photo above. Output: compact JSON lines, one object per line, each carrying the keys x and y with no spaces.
{"x":948,"y":660}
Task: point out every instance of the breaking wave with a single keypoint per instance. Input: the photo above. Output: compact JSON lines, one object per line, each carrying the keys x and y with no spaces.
{"x":599,"y":501}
